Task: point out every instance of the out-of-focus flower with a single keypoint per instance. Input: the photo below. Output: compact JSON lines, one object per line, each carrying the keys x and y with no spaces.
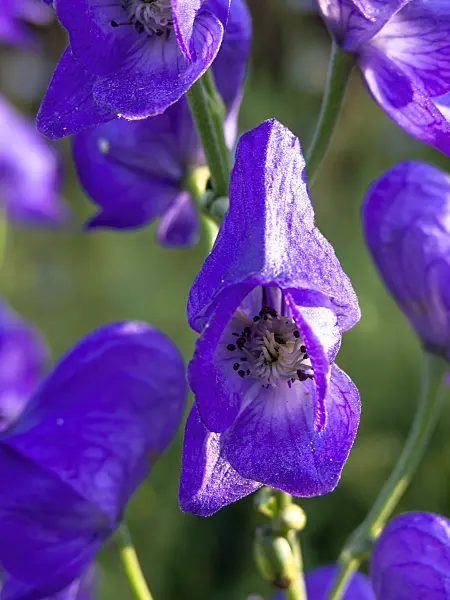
{"x":138,"y":170}
{"x":406,"y":220}
{"x":411,"y":559}
{"x":30,"y":174}
{"x":13,"y":17}
{"x":403,"y":50}
{"x":270,"y":304}
{"x":79,"y":450}
{"x":128,"y":58}
{"x":23,"y":357}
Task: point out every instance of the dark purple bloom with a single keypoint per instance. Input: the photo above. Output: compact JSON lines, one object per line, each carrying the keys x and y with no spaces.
{"x":138,"y":170}
{"x":13,"y":17}
{"x":319,"y":581}
{"x":79,"y":450}
{"x":23,"y":357}
{"x":411,"y":559}
{"x":403,"y":50}
{"x":128,"y":58}
{"x":270,"y":304}
{"x":406,"y":219}
{"x":30,"y":174}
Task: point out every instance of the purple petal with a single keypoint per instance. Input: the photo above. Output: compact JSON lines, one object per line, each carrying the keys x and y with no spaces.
{"x":23,"y":357}
{"x":184,"y":13}
{"x":403,"y":96}
{"x":208,"y":481}
{"x":12,"y":16}
{"x":274,"y":441}
{"x":158,"y":74}
{"x":179,"y":226}
{"x":411,"y":559}
{"x":68,"y":106}
{"x":406,"y":219}
{"x":417,"y":40}
{"x":319,"y":581}
{"x":268,"y":234}
{"x":29,"y":172}
{"x":81,"y":447}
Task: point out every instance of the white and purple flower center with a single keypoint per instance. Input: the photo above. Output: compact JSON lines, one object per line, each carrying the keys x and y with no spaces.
{"x":268,"y":348}
{"x":154,"y":17}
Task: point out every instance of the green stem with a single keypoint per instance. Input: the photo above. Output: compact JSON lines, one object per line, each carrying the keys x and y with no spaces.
{"x":339,"y":71}
{"x":207,"y":110}
{"x":434,"y":390}
{"x":130,"y":564}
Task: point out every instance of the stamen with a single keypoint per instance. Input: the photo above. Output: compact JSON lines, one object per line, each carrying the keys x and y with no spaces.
{"x":152,"y":16}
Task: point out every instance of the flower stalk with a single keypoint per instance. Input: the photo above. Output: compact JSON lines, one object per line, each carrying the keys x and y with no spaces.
{"x":339,"y":71}
{"x":208,"y":111}
{"x":130,"y":564}
{"x":434,"y":389}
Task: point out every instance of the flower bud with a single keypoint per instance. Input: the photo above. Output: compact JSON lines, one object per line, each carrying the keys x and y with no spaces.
{"x":274,"y":558}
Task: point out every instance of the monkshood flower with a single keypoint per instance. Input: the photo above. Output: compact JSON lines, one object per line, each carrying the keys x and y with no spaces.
{"x":411,"y":559}
{"x":13,"y":17}
{"x":138,"y":170}
{"x":23,"y":358}
{"x":30,"y":173}
{"x":270,"y":303}
{"x":129,"y":58}
{"x":403,"y":51}
{"x":78,"y":451}
{"x":406,"y":220}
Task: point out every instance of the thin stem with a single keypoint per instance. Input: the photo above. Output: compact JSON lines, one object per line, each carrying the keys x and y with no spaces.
{"x":433,"y":392}
{"x":208,"y":117}
{"x":339,"y":71}
{"x":130,"y":564}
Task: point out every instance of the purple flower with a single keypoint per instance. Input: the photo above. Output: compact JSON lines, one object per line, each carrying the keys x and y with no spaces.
{"x":79,"y":450}
{"x":138,"y":170}
{"x":403,"y":50}
{"x":13,"y":13}
{"x":406,"y":220}
{"x":128,"y":58}
{"x":411,"y":559}
{"x":30,"y":174}
{"x":23,"y":357}
{"x":270,"y":304}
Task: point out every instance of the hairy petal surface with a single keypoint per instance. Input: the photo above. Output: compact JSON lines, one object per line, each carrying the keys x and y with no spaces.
{"x":406,"y":220}
{"x":411,"y":559}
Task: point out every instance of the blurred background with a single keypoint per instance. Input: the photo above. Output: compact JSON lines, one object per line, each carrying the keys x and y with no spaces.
{"x":68,"y":282}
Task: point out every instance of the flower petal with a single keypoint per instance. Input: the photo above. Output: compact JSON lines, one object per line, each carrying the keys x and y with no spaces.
{"x":417,"y":39}
{"x":111,"y":404}
{"x":179,"y":225}
{"x":411,"y":559}
{"x":208,"y":481}
{"x":274,"y":441}
{"x":318,"y":584}
{"x":406,"y":220}
{"x":68,"y":105}
{"x":184,"y":13}
{"x":158,"y":74}
{"x":405,"y":99}
{"x":268,"y":234}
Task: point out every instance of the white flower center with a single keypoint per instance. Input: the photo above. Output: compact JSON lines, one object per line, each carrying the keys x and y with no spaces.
{"x":270,"y":349}
{"x":154,"y":17}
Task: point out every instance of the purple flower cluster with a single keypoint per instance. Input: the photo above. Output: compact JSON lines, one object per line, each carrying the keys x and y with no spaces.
{"x":403,"y":50}
{"x":79,"y":449}
{"x":270,"y":304}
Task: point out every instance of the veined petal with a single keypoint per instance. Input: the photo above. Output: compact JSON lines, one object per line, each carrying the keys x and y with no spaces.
{"x":208,"y":481}
{"x":417,"y":39}
{"x":411,"y":559}
{"x":403,"y":96}
{"x":158,"y":74}
{"x":179,"y":225}
{"x":268,"y":234}
{"x":406,"y":220}
{"x":273,"y":440}
{"x":184,"y":13}
{"x":68,"y":106}
{"x":107,"y":410}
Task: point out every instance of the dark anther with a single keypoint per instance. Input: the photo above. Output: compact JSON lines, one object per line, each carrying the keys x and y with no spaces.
{"x":159,"y":33}
{"x":302,"y":376}
{"x":243,"y":358}
{"x":236,"y":334}
{"x":273,"y":313}
{"x":278,"y":339}
{"x":248,"y":371}
{"x":240,"y":343}
{"x":231,"y":347}
{"x":256,"y":318}
{"x":241,"y":373}
{"x":302,"y":348}
{"x":247,"y":331}
{"x":297,"y":335}
{"x":265,"y":317}
{"x":114,"y":24}
{"x":305,"y":356}
{"x":236,"y":366}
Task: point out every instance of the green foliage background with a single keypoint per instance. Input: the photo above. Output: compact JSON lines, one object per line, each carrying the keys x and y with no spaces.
{"x":69,"y":282}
